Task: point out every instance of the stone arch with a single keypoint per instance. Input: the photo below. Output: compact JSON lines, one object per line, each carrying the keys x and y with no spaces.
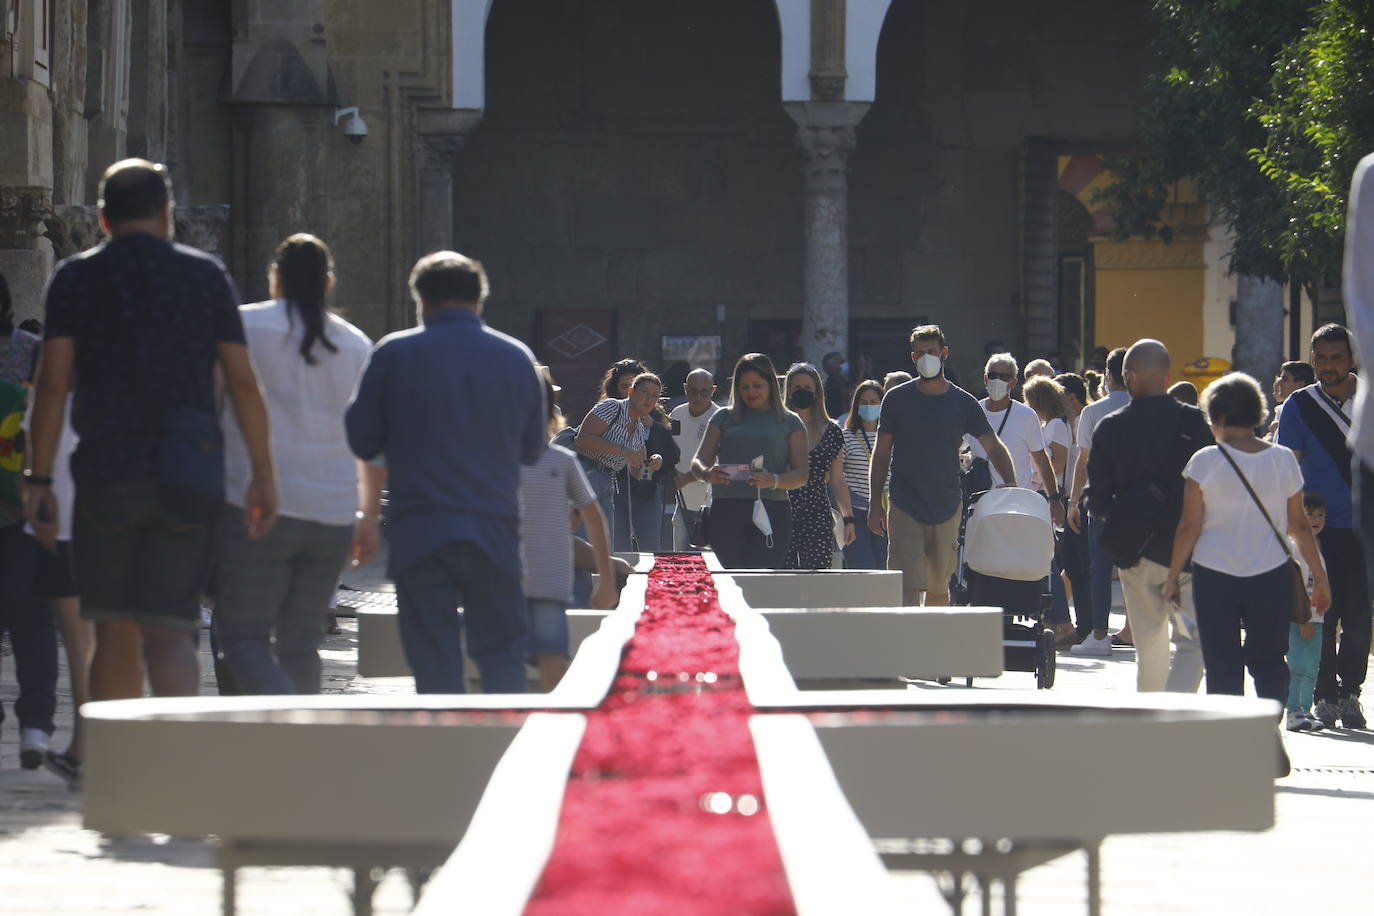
{"x":633,"y":161}
{"x":863,"y":24}
{"x":468,"y":24}
{"x":864,"y":21}
{"x":1074,"y":230}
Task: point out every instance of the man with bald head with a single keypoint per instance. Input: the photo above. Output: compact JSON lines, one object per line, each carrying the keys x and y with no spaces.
{"x":1135,"y":484}
{"x":689,"y":423}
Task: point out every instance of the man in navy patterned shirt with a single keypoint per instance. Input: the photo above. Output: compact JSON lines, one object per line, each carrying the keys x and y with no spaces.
{"x":137,"y":325}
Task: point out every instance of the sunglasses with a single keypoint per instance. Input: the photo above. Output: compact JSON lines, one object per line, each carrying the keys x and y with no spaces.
{"x":1003,"y":376}
{"x":692,"y":391}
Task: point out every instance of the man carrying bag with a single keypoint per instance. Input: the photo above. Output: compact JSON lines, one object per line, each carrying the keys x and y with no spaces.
{"x":1135,"y":474}
{"x":1315,"y":424}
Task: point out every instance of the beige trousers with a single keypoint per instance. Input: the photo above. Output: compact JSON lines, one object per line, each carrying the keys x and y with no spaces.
{"x":1152,"y":620}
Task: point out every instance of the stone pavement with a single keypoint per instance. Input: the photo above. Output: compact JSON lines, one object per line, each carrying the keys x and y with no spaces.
{"x":1312,"y":861}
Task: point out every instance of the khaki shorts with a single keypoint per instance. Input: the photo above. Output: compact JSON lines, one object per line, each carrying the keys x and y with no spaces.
{"x":924,"y":553}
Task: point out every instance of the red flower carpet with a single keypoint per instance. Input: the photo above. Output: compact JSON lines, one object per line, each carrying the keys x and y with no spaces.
{"x":664,"y":810}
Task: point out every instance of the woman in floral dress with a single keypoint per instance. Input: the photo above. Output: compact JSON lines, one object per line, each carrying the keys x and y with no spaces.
{"x":813,"y":529}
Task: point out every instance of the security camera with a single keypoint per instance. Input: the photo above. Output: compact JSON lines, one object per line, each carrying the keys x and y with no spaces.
{"x":354,"y":127}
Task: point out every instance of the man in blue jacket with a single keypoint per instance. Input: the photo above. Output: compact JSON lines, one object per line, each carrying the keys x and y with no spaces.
{"x":455,"y":408}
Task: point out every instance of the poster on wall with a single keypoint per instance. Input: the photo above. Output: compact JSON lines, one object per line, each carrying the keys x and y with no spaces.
{"x":577,"y":345}
{"x":682,"y":354}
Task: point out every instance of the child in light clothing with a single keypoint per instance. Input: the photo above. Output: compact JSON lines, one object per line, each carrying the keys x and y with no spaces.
{"x":1305,"y":640}
{"x":548,"y":490}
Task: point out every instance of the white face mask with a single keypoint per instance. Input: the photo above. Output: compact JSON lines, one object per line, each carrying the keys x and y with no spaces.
{"x":998,"y":389}
{"x":929,"y":365}
{"x":762,"y":522}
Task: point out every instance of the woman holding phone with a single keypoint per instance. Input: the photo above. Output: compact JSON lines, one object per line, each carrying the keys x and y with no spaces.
{"x":754,"y":450}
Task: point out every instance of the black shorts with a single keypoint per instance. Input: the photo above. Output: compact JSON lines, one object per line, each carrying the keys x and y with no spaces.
{"x":56,"y":572}
{"x":137,"y":559}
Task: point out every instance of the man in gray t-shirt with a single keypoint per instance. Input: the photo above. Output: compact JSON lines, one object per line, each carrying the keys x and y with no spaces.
{"x":920,"y":429}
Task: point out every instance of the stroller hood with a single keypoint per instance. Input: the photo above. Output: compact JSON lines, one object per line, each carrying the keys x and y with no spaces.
{"x":1010,"y":535}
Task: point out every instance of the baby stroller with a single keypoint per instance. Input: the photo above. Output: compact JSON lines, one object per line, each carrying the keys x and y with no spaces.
{"x":1005,"y":550}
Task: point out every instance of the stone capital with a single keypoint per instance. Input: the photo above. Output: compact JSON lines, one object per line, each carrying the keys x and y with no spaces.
{"x":438,"y":153}
{"x":203,"y":226}
{"x":440,"y":136}
{"x":825,"y":136}
{"x":23,"y":211}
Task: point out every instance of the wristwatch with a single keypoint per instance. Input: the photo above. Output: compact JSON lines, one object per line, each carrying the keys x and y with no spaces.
{"x":35,"y":480}
{"x":849,"y":520}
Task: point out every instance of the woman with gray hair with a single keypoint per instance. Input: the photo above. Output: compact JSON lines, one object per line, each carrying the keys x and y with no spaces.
{"x":1240,"y":498}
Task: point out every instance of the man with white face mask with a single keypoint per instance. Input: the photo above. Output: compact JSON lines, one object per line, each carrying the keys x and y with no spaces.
{"x":1018,"y":428}
{"x":920,"y":428}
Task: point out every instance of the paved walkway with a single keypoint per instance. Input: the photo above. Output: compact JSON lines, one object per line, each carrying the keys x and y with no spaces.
{"x":1314,"y":860}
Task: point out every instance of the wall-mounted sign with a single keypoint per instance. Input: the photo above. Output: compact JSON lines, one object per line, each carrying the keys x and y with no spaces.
{"x":698,"y":352}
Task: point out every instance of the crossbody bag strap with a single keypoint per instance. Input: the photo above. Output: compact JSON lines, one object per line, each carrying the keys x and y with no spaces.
{"x":1335,"y":408}
{"x":1283,"y":542}
{"x":1004,"y":421}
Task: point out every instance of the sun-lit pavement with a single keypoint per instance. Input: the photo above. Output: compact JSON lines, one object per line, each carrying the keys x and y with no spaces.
{"x":1313,"y":861}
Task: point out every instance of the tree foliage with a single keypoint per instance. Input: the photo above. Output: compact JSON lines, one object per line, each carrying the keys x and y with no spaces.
{"x":1268,"y":105}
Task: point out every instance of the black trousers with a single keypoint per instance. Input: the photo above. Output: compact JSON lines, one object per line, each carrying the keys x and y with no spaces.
{"x":1344,"y":662}
{"x":739,"y":544}
{"x":29,"y":621}
{"x":1072,"y":556}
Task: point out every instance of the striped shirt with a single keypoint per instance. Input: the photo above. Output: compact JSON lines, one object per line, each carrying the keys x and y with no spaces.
{"x":620,"y":430}
{"x":857,"y":454}
{"x":549,"y":489}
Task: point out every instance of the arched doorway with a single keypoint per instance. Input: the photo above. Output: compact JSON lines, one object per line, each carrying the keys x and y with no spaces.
{"x":1073,"y":227}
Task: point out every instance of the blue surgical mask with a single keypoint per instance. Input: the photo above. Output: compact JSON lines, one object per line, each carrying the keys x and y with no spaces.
{"x":844,"y":369}
{"x":870,"y":412}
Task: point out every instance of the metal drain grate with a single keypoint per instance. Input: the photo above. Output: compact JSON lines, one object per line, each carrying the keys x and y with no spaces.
{"x":1336,"y":771}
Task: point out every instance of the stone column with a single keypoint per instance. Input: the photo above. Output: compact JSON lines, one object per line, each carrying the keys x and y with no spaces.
{"x":825,"y":136}
{"x":439,"y":142}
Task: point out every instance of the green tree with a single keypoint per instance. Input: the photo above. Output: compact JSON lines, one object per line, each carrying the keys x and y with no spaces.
{"x":1269,"y":106}
{"x":1216,"y":65}
{"x":1318,"y":122}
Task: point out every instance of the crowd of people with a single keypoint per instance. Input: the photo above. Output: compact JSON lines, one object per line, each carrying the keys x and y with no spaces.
{"x":181,"y":445}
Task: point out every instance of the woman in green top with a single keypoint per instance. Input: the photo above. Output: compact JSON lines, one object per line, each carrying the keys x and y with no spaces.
{"x":758,"y":436}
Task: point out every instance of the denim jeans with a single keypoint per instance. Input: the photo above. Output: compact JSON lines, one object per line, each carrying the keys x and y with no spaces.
{"x":684,"y":520}
{"x":869,"y":550}
{"x":646,"y":512}
{"x":1304,"y":655}
{"x":29,"y":621}
{"x":1072,"y":557}
{"x":428,"y":594}
{"x":611,"y":496}
{"x":1260,"y":607}
{"x":271,"y":602}
{"x":1100,"y":572}
{"x":1059,"y":604}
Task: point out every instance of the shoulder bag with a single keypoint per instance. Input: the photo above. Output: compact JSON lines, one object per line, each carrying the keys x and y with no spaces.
{"x":1301,"y":604}
{"x":978,"y":479}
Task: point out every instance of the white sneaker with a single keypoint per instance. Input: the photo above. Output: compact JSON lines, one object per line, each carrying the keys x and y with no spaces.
{"x":1317,"y":724}
{"x":33,"y":743}
{"x":1297,"y":721}
{"x":206,"y":617}
{"x":1091,"y":645}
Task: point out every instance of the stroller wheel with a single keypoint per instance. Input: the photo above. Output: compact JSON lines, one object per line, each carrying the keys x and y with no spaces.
{"x":1044,"y":666}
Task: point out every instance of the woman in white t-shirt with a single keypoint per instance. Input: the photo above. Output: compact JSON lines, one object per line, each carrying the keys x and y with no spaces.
{"x":1046,"y":398}
{"x":272,"y":593}
{"x":1240,"y":573}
